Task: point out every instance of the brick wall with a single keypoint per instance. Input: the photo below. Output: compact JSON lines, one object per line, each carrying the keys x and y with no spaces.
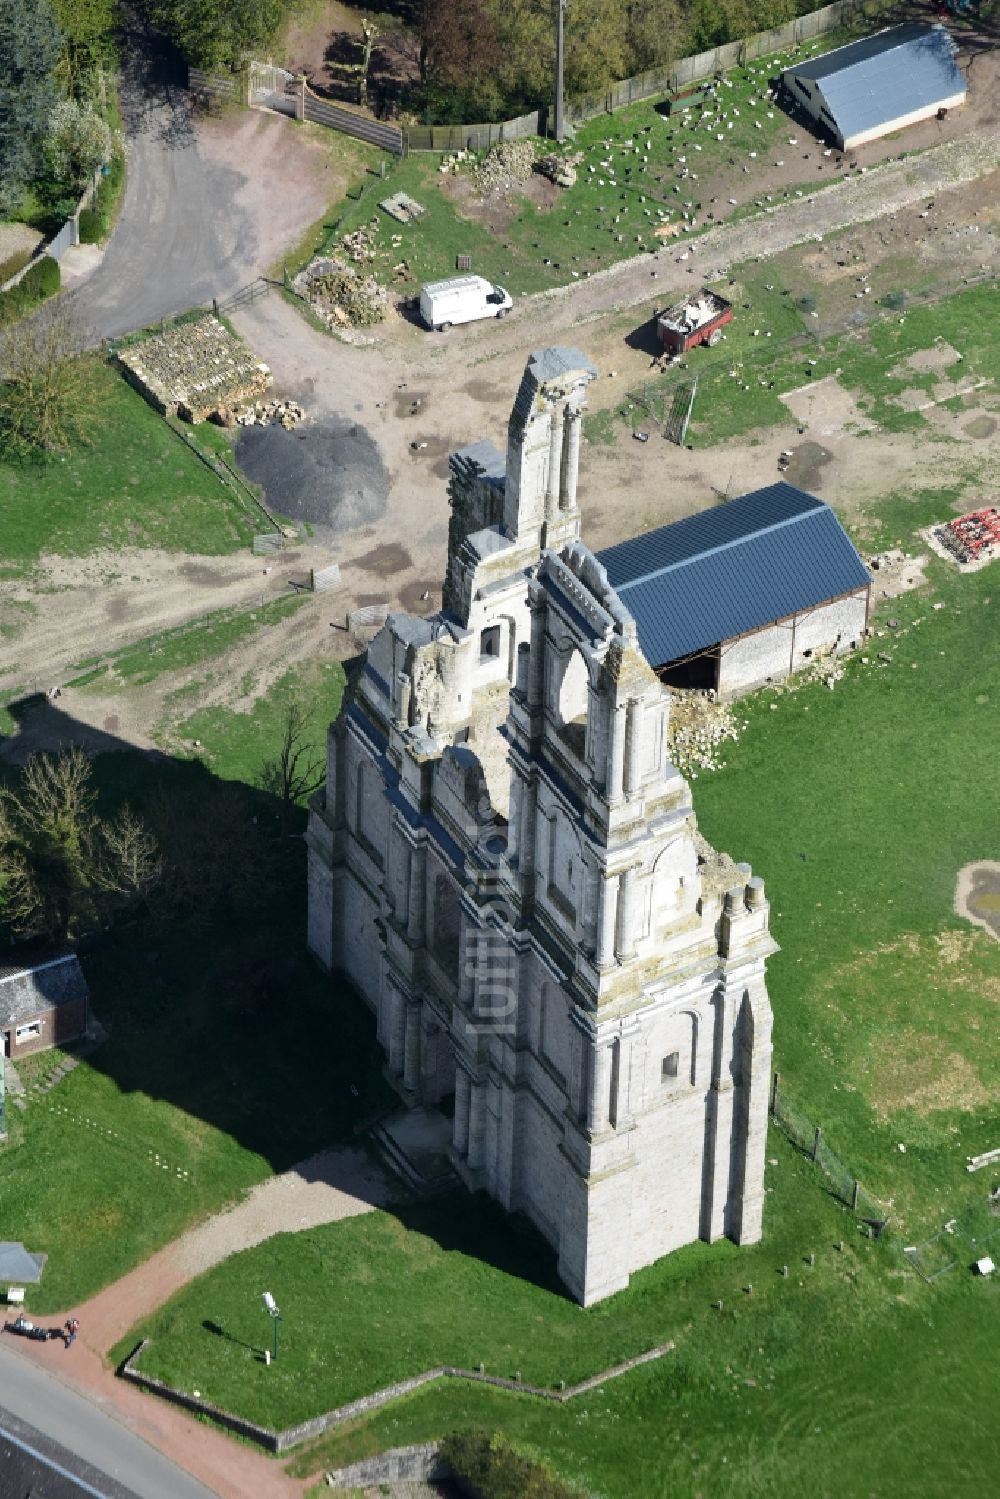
{"x":57,"y":1028}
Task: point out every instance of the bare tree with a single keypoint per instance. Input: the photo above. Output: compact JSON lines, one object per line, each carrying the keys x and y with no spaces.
{"x":47,"y":388}
{"x":131,"y":865}
{"x":296,"y":771}
{"x":62,"y":868}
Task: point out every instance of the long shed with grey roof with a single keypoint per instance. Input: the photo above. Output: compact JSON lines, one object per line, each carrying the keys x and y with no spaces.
{"x":879,"y":84}
{"x":745,"y":593}
{"x":43,"y":1002}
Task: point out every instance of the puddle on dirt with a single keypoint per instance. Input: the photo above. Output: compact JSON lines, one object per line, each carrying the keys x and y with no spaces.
{"x":111,"y":724}
{"x":117,"y":607}
{"x":386,"y":560}
{"x":410,"y":402}
{"x":411,"y":597}
{"x":197,"y":572}
{"x":483,"y":390}
{"x":426,"y":448}
{"x":980,"y":426}
{"x":805,"y":464}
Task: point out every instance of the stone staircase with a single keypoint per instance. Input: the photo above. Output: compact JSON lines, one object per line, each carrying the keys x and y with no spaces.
{"x":412,"y":1143}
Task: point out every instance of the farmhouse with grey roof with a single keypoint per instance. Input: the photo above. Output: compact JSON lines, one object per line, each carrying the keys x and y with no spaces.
{"x":42,"y":1003}
{"x":745,"y":593}
{"x":879,"y":84}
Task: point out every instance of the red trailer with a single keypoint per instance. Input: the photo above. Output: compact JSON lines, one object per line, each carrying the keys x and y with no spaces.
{"x":699,"y":319}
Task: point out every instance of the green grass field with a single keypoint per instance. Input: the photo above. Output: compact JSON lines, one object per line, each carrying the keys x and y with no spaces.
{"x":740,"y":381}
{"x":622,"y":193}
{"x":235,"y":743}
{"x":135,"y":484}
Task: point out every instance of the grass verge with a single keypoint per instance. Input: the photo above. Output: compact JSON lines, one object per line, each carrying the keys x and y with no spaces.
{"x":134,"y":484}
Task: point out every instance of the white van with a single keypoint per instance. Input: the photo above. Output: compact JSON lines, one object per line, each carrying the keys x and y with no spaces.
{"x":462,"y":299}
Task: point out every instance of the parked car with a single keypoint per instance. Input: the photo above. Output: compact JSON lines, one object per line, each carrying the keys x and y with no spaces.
{"x":462,"y":299}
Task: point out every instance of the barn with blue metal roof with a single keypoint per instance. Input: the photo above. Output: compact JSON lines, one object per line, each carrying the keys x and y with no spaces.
{"x":879,"y":84}
{"x":744,"y":593}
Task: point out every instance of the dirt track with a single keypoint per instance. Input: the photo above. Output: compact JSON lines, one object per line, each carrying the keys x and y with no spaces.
{"x":419,"y":398}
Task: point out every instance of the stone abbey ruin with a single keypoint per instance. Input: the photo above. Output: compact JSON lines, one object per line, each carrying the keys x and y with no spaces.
{"x":507,"y":866}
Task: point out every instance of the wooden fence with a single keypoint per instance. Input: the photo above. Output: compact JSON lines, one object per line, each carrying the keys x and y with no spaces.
{"x":474,"y":137}
{"x":361,"y":126}
{"x":479,"y":137}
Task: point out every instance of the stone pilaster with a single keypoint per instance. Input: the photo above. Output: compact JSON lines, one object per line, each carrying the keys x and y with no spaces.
{"x":553,"y":487}
{"x":460,"y":1126}
{"x":571,"y":461}
{"x":411,"y":1045}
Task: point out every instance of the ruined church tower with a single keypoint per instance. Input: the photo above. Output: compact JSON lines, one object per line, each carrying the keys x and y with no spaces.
{"x":506,"y":865}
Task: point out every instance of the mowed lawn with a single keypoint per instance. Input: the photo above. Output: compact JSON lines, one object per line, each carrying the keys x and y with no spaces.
{"x":134,"y":483}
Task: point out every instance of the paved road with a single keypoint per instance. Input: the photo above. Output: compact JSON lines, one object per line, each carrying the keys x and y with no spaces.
{"x":182,"y":238}
{"x":80,"y":1437}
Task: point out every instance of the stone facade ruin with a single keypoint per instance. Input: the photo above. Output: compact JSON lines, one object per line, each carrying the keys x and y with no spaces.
{"x":507,"y":867}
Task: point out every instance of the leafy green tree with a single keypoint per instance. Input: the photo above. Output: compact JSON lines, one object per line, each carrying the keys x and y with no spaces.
{"x":218,"y":36}
{"x":88,"y":30}
{"x":656,"y":33}
{"x":77,"y":142}
{"x":46,"y":385}
{"x":30,"y":48}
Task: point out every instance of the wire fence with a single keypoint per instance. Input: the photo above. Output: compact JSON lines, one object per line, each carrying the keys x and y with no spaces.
{"x":843,"y":1184}
{"x":974,"y":1233}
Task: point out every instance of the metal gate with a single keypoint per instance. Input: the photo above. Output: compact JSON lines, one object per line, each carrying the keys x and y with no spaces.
{"x":272,"y":86}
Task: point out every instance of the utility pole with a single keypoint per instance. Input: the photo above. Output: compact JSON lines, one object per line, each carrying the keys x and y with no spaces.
{"x":560,"y":13}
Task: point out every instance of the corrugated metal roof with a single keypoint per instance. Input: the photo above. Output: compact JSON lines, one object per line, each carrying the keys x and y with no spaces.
{"x":885,"y":76}
{"x":732,"y":569}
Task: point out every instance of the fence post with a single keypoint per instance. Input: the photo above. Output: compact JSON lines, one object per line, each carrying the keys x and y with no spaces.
{"x":300,"y":99}
{"x":774,"y":1092}
{"x":215,"y":307}
{"x":855,"y":1188}
{"x":815,"y":1149}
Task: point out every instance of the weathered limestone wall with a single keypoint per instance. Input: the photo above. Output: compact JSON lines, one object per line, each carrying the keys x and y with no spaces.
{"x":773,"y":653}
{"x":516,"y":885}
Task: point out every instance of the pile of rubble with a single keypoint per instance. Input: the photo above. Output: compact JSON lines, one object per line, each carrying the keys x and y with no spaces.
{"x":699,"y":726}
{"x":506,"y":168}
{"x":285,"y":414}
{"x":562,"y":170}
{"x":455,"y":161}
{"x":360,"y":246}
{"x":194,"y":369}
{"x":340,"y":295}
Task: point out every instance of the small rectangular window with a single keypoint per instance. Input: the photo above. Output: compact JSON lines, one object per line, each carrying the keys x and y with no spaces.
{"x":670,"y":1066}
{"x":28,"y":1032}
{"x":489,"y":643}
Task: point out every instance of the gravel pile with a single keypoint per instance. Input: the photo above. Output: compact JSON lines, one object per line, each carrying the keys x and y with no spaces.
{"x":328,"y":474}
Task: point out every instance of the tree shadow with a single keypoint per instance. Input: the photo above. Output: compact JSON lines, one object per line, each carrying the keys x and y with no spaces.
{"x":218,"y":1010}
{"x":223,"y":1014}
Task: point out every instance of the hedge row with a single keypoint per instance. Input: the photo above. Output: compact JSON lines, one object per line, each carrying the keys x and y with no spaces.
{"x":95,"y":222}
{"x":489,"y":1466}
{"x":37,"y":283}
